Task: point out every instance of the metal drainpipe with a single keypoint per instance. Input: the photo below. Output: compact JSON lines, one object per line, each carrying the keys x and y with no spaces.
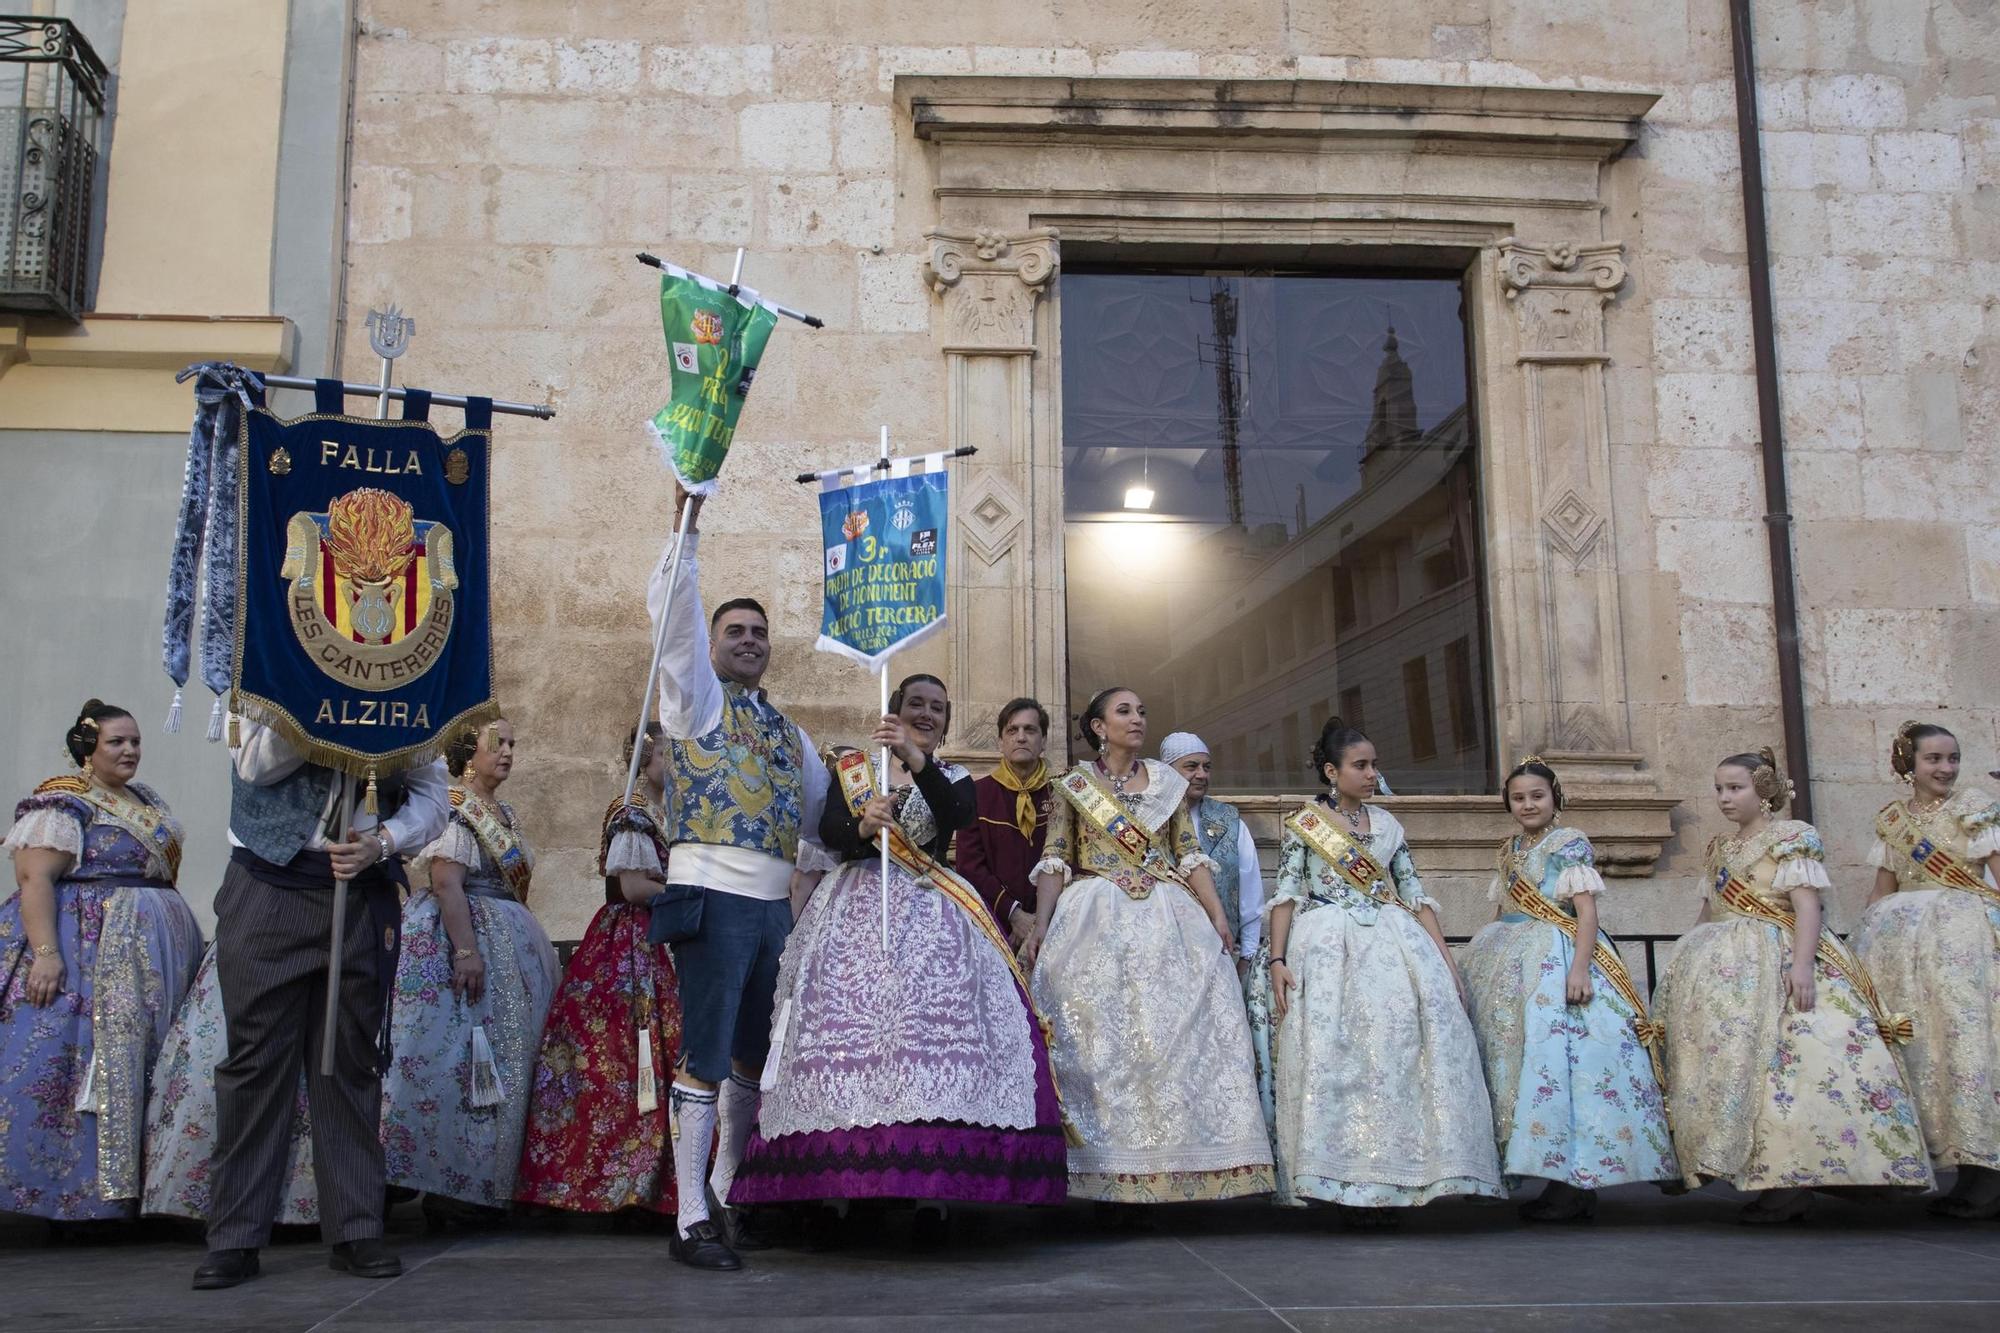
{"x":1777,"y":502}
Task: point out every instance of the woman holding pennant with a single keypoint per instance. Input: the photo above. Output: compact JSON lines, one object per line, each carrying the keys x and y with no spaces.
{"x":1133,"y":966}
{"x":923,"y":1072}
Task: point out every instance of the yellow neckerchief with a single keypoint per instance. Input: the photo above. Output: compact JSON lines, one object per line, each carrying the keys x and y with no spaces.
{"x":1901,"y":833}
{"x":1111,"y":817}
{"x":149,"y":824}
{"x":1349,"y":859}
{"x":497,"y":838}
{"x":1024,"y":793}
{"x":1528,"y":898}
{"x":857,"y":787}
{"x":1737,"y":895}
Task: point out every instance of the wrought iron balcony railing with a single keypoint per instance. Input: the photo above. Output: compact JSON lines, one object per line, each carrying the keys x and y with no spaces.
{"x":51,"y":114}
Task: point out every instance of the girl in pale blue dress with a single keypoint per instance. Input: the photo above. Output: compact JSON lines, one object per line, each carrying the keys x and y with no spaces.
{"x":1577,"y":1099}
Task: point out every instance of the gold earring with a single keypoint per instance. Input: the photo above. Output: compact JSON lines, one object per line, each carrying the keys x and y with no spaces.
{"x":1769,"y":806}
{"x":1907,"y":779}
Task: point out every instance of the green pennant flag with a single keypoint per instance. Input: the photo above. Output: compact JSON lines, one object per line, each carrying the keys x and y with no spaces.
{"x":715,"y":340}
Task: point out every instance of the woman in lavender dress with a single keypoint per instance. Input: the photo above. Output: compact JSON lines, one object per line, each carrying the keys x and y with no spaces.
{"x":98,"y":949}
{"x":920,"y":1072}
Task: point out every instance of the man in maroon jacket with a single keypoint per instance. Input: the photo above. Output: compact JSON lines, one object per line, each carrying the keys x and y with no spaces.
{"x":997,"y":853}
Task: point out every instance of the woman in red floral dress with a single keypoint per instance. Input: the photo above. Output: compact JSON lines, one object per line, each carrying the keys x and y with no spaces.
{"x":597,"y":1123}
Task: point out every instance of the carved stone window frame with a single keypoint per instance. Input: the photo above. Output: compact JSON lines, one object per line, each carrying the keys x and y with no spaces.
{"x":1507,"y":186}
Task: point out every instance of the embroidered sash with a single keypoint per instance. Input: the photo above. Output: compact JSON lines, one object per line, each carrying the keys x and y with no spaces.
{"x":1108,"y":815}
{"x":1529,"y":900}
{"x":1940,"y":866}
{"x":857,"y":787}
{"x":1741,"y":899}
{"x":1362,"y":872}
{"x":497,"y":839}
{"x":149,"y":824}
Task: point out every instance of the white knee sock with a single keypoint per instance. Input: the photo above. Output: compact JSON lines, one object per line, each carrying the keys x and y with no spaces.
{"x":694,"y":1127}
{"x":737,"y":1106}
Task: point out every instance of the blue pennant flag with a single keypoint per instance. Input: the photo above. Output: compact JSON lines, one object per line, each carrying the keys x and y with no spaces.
{"x":885,"y":541}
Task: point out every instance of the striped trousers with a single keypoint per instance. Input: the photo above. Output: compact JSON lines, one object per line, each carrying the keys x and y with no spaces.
{"x":270,"y":958}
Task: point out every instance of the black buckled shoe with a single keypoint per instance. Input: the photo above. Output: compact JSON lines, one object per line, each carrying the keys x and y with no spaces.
{"x":225,"y":1268}
{"x":702,"y":1247}
{"x":367,"y":1257}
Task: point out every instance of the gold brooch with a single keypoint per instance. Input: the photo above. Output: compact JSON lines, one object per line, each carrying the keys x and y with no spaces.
{"x":457,"y":467}
{"x":281,"y":461}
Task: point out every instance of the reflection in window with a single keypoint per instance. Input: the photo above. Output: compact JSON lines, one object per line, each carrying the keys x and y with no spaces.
{"x":1271,"y":507}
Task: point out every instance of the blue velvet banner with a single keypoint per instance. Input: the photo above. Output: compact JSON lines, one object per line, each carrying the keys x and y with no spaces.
{"x":364,"y":629}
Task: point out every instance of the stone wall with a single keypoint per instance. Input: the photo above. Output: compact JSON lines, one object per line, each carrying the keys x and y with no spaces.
{"x":508,"y":156}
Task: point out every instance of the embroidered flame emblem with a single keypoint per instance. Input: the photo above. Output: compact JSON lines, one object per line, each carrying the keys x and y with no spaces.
{"x":854,"y":524}
{"x":707,"y":327}
{"x":372,"y":537}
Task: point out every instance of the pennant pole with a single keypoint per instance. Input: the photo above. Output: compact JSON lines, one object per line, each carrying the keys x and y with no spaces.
{"x":882,"y":780}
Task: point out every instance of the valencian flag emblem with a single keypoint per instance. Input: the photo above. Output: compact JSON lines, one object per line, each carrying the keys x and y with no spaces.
{"x":360,"y":602}
{"x":717,"y":336}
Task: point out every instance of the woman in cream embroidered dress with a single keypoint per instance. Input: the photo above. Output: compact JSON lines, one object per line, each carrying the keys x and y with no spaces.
{"x":99,"y":949}
{"x":473,"y":984}
{"x":1933,"y":948}
{"x":919,"y":1073}
{"x":1135,"y":974}
{"x":597,"y":1123}
{"x":1778,"y":1077}
{"x":1380,"y":1101}
{"x":1576,"y":1100}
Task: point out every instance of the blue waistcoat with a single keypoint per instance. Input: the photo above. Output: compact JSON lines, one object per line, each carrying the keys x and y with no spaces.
{"x":277,"y":821}
{"x":742,"y":784}
{"x":1215,"y":825}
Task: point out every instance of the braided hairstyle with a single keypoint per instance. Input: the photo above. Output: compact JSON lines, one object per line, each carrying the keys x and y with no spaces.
{"x":1903,"y":750}
{"x":1534,"y":766}
{"x":1336,"y":738}
{"x":1094,"y":712}
{"x":1773,"y":788}
{"x":81,"y":739}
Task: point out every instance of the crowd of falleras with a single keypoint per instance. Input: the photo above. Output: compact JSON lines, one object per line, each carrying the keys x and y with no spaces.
{"x":1083,"y":991}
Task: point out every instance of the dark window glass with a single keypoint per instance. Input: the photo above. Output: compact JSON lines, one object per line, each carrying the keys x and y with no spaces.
{"x":1271,"y":503}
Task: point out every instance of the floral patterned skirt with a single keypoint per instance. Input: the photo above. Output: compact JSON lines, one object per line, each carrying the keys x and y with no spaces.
{"x":1935,"y":955}
{"x":589,"y":1148}
{"x":1767,"y":1098}
{"x":1151,"y":1049}
{"x":434,"y":1138}
{"x":180,"y":1118}
{"x":1380,"y":1101}
{"x":74,"y":1075}
{"x":1575,"y":1097}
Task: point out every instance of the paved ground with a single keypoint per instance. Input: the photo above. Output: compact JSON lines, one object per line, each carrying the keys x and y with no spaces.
{"x":1646,"y":1263}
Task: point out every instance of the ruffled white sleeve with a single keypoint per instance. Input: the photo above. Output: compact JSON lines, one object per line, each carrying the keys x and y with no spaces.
{"x":814,"y":859}
{"x":1800,"y":872}
{"x":632,"y":850}
{"x":52,"y":828}
{"x":456,"y":844}
{"x":1496,"y":888}
{"x":1578,"y":877}
{"x":1051,"y":865}
{"x":1199,"y":861}
{"x":1879,"y":856}
{"x":1983,"y":844}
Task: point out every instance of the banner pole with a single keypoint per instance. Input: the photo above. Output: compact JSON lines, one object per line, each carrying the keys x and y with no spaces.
{"x":660,"y":641}
{"x":389,"y":334}
{"x":882,"y":786}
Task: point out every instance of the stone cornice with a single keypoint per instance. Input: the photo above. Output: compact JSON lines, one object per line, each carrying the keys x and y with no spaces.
{"x":1469,"y":118}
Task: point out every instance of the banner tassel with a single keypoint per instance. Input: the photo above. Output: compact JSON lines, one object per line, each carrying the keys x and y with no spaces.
{"x":215,"y":715}
{"x":235,"y":738}
{"x":649,"y":1087}
{"x":173,"y":726}
{"x":486,"y":1088}
{"x":368,"y":801}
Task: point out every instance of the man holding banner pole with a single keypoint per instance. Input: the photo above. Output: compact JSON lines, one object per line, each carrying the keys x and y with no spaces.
{"x":745,"y":787}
